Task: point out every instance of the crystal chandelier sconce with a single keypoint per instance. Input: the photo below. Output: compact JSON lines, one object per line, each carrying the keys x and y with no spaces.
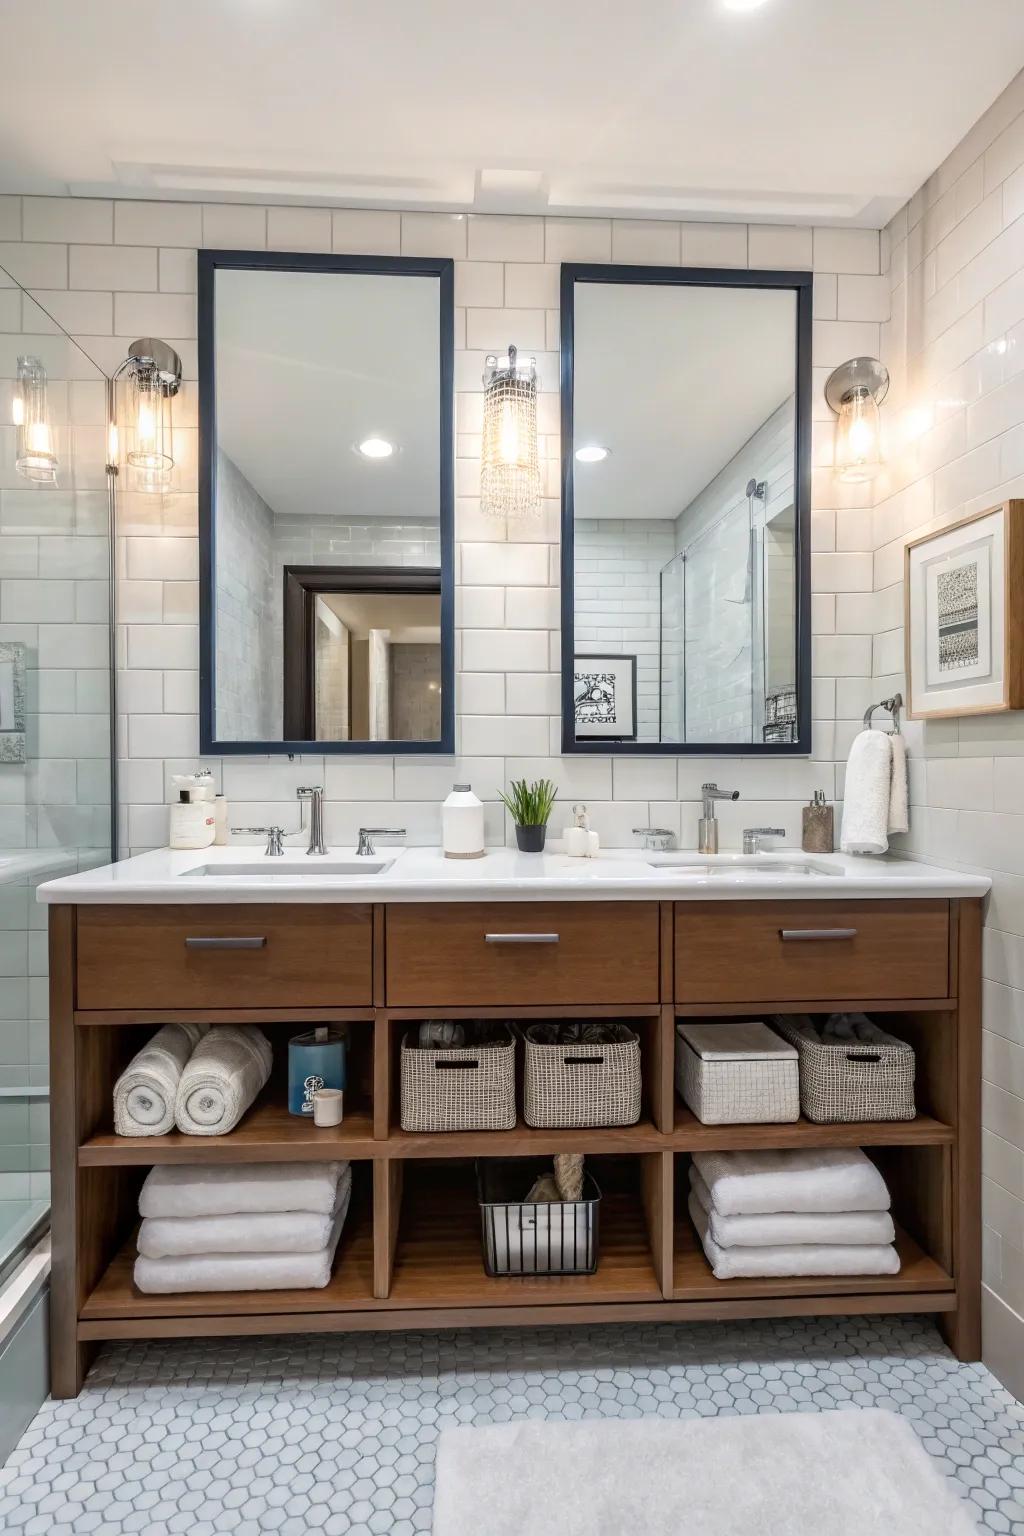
{"x":510,"y":469}
{"x":142,"y":429}
{"x":35,"y":458}
{"x":854,"y":391}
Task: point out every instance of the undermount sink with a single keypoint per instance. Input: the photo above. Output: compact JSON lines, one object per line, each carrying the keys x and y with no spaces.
{"x":290,"y":869}
{"x":740,"y":866}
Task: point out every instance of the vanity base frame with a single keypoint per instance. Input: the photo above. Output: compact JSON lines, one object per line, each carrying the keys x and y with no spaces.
{"x":410,"y":1256}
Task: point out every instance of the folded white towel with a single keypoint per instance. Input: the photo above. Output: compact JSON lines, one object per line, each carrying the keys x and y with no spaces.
{"x":226,"y":1071}
{"x":794,"y":1259}
{"x":169,"y":1237}
{"x":760,"y":1183}
{"x":144,"y":1094}
{"x":867,"y":794}
{"x":233,"y":1188}
{"x":242,"y":1271}
{"x":899,"y":791}
{"x":784,"y":1228}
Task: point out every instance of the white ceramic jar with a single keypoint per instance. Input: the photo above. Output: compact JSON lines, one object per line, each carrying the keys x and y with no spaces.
{"x":462,"y":824}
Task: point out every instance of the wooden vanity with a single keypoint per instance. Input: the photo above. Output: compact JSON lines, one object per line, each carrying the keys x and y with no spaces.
{"x":410,"y":1253}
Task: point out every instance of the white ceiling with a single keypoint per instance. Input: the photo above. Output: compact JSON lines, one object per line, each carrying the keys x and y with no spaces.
{"x":818,"y":109}
{"x":310,"y":364}
{"x":673,"y":381}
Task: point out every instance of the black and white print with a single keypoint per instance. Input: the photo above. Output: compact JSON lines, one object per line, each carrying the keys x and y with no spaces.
{"x":958,"y":617}
{"x":604,"y":697}
{"x":595,"y":698}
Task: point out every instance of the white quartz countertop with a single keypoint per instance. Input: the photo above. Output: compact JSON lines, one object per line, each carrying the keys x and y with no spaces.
{"x":418,"y":874}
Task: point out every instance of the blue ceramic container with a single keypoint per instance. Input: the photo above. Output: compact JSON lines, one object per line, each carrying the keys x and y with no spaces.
{"x":315,"y":1060}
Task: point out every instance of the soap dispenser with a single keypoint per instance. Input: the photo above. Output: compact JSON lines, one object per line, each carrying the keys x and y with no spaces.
{"x":580,"y":841}
{"x":818,"y":825}
{"x":462,"y":824}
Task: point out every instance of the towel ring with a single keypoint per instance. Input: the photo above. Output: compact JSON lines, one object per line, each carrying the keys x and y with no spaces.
{"x":893,"y":705}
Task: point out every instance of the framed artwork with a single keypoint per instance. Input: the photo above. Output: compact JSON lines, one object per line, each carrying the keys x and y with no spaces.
{"x":964,"y":616}
{"x":604,"y":698}
{"x":12,"y":702}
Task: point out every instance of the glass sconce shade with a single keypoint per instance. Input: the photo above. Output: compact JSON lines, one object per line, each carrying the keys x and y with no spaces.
{"x":35,"y":458}
{"x":509,"y":468}
{"x":854,"y":391}
{"x":148,"y":382}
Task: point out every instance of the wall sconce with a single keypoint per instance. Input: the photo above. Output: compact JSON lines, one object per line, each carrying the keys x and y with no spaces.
{"x":854,"y":391}
{"x":509,"y":468}
{"x":34,"y":455}
{"x":142,"y":423}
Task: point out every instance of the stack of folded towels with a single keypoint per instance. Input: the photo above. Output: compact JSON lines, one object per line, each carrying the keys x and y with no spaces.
{"x":792,"y":1213}
{"x":243,"y":1227}
{"x":201,"y":1080}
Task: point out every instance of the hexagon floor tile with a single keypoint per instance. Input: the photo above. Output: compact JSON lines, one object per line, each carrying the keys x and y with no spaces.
{"x":336,"y":1434}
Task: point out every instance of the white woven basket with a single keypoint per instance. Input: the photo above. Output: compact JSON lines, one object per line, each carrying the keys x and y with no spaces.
{"x":458,"y":1087}
{"x":844,"y":1081}
{"x":737,"y":1074}
{"x":577,"y":1085}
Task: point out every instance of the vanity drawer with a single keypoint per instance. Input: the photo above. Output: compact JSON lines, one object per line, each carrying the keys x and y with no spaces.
{"x":799,"y":951}
{"x":224,"y":957}
{"x":522,"y":953}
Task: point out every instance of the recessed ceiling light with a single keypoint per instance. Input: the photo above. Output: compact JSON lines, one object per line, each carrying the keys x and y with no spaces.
{"x":743,"y":5}
{"x":592,"y":455}
{"x":376,"y":448}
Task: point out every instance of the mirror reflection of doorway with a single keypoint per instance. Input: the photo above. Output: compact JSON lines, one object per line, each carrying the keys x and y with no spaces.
{"x":362,"y":653}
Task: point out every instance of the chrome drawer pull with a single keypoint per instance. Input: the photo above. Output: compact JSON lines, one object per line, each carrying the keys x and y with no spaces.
{"x":811,"y":935}
{"x":226,"y":943}
{"x":520,"y":938}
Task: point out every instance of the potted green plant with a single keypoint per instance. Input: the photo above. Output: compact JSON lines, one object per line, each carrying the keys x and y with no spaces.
{"x":530,"y":806}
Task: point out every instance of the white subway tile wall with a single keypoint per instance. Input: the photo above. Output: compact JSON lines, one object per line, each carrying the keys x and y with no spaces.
{"x":131,"y":265}
{"x":954,"y":424}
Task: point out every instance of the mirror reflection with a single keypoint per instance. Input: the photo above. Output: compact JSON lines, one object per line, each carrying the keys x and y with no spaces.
{"x":684,"y":499}
{"x":326,"y":505}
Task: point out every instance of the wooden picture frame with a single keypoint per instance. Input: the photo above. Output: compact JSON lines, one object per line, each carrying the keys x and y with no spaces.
{"x":970,"y":659}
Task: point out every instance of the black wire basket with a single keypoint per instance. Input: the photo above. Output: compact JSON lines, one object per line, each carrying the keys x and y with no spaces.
{"x":559,"y":1237}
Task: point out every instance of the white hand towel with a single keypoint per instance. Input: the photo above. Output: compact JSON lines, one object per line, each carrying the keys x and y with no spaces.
{"x":797,"y":1259}
{"x":169,"y":1237}
{"x":785,"y":1228}
{"x":867,"y":794}
{"x":761,"y":1183}
{"x":144,"y":1094}
{"x":226,"y":1071}
{"x":236,"y":1188}
{"x":242,"y":1271}
{"x":899,"y":794}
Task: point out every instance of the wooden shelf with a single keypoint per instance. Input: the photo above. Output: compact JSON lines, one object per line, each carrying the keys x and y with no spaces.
{"x":693,"y":1279}
{"x":439,"y":1259}
{"x":525,"y":1141}
{"x":116,"y":1297}
{"x":691,"y":1136}
{"x":266,"y":1134}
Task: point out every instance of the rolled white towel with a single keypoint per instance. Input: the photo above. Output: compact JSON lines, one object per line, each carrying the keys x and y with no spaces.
{"x":226,"y":1071}
{"x":796,"y":1259}
{"x":145,"y":1092}
{"x":867,"y":794}
{"x":228,"y":1189}
{"x":899,"y":790}
{"x":243,"y":1271}
{"x":786,"y":1228}
{"x":815,"y":1179}
{"x":167,"y":1237}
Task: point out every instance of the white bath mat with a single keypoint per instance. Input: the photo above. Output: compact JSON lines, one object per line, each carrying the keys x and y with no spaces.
{"x":790,"y":1474}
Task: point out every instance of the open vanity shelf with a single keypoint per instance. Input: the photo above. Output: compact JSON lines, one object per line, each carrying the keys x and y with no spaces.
{"x":410,"y":1255}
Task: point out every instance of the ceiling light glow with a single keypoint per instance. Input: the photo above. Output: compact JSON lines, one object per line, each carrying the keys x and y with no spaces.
{"x":592,"y":454}
{"x":376,"y":448}
{"x":742,"y":5}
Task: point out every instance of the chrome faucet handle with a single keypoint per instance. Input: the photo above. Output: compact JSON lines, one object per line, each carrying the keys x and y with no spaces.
{"x":752,"y":837}
{"x":314,"y":793}
{"x":274,"y":836}
{"x":656,"y":839}
{"x":367,"y":834}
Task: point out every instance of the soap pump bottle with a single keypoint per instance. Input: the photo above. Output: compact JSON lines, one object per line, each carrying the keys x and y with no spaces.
{"x":818,"y":825}
{"x":191,"y":822}
{"x":580,"y":841}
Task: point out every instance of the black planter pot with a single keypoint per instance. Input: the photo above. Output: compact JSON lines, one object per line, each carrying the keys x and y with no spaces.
{"x":531,"y":839}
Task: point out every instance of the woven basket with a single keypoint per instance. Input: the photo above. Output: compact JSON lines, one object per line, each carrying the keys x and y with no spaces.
{"x":843,"y":1081}
{"x":459,"y":1088}
{"x":747,"y":1090}
{"x":576,"y":1085}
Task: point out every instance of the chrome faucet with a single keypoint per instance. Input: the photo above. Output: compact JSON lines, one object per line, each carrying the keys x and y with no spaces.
{"x":274,"y":836}
{"x":314,"y":793}
{"x":752,"y":837}
{"x":367,"y":834}
{"x":707,"y":827}
{"x":654,"y":839}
